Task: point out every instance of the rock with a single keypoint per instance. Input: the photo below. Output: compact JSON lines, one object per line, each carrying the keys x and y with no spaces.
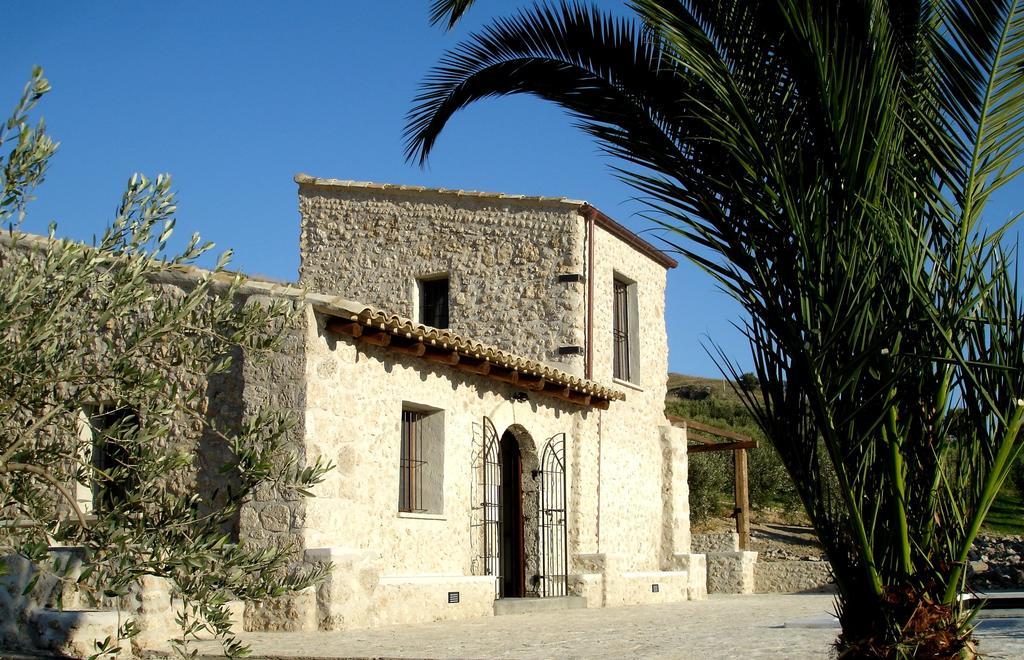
{"x":275,"y":518}
{"x":995,"y":562}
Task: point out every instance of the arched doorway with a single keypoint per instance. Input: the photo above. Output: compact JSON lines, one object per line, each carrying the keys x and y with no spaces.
{"x":513,"y":541}
{"x":524,"y":521}
{"x":520,"y":573}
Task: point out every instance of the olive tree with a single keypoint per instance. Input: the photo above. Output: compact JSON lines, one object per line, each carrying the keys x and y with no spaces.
{"x":104,"y":371}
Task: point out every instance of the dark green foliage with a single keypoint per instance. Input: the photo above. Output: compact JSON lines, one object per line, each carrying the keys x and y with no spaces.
{"x":748,"y":382}
{"x":828,"y":163}
{"x":690,"y":392}
{"x":1007,"y":513}
{"x":711,"y":486}
{"x":719,"y":412}
{"x":1017,"y":475}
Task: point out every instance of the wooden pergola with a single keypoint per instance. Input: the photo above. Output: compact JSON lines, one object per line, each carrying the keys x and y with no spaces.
{"x":702,"y":438}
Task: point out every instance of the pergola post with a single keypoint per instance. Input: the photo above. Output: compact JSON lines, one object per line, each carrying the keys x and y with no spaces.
{"x":742,"y":497}
{"x":736,"y":443}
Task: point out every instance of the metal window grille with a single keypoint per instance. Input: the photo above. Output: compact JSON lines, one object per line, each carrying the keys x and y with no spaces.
{"x":620,"y":331}
{"x":410,"y":487}
{"x":434,"y":302}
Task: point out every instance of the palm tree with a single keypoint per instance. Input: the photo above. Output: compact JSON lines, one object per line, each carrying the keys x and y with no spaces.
{"x":828,"y":164}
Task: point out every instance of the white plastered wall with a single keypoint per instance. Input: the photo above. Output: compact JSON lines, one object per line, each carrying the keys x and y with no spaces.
{"x":631,"y":442}
{"x":402,"y":566}
{"x":643,"y":538}
{"x":626,"y":469}
{"x":393,"y":567}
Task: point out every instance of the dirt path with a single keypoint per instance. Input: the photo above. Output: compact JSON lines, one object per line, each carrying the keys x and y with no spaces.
{"x":774,"y":541}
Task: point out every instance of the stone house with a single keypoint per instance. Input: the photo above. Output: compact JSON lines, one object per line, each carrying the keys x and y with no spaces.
{"x":488,"y":373}
{"x":494,"y":403}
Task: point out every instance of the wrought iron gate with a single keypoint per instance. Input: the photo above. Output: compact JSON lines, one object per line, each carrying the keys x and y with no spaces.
{"x":552,"y":539}
{"x":492,"y":504}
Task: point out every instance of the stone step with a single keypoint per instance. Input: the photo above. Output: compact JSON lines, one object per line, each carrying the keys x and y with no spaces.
{"x":504,"y":606}
{"x":996,"y":600}
{"x":73,"y":632}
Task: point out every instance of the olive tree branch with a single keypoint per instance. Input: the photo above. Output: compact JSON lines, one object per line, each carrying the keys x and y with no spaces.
{"x":38,"y":471}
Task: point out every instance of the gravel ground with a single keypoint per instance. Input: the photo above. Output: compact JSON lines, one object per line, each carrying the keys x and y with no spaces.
{"x":724,"y":626}
{"x":730,"y":626}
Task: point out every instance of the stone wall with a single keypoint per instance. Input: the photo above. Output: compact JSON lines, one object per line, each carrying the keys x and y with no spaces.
{"x":355,"y":398}
{"x":628,"y":514}
{"x":279,"y":383}
{"x":353,"y":418}
{"x":398,"y":566}
{"x":228,"y":398}
{"x":716,"y":542}
{"x":503,"y":257}
{"x":792,"y":576}
{"x":731,"y":572}
{"x":630,"y":441}
{"x":269,"y":517}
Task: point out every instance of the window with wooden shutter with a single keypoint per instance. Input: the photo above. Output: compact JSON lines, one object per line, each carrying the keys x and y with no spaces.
{"x":421,"y":460}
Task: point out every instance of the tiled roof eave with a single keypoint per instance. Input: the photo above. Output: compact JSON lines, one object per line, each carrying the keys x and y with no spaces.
{"x":401,"y":335}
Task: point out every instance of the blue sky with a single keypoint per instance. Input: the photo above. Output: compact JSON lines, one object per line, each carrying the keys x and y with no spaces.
{"x":234,"y":98}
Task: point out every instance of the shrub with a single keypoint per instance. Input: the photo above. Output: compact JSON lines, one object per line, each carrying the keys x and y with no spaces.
{"x":711,"y":473}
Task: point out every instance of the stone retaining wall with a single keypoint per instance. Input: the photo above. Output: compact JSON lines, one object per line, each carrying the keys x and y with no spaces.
{"x":792,"y":576}
{"x":731,"y":572}
{"x":716,"y":542}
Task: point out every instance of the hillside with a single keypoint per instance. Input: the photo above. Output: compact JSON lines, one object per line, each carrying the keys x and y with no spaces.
{"x":714,"y":401}
{"x":719,"y":388}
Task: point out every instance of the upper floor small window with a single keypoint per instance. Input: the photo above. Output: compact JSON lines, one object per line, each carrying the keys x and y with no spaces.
{"x":624,"y":330}
{"x":434,"y":302}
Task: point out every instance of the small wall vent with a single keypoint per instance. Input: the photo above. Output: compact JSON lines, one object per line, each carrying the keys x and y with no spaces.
{"x":570,"y":350}
{"x":453,"y":597}
{"x":570,"y":277}
{"x":655,"y":588}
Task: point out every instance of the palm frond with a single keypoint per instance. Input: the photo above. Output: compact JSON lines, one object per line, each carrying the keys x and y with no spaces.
{"x":450,"y":11}
{"x":827,"y":164}
{"x":578,"y":57}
